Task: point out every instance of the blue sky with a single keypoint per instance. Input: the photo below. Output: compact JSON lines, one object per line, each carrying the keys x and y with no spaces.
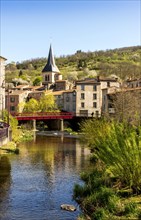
{"x":28,"y":27}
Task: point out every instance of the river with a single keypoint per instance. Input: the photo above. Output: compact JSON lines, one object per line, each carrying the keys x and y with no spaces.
{"x":41,"y":178}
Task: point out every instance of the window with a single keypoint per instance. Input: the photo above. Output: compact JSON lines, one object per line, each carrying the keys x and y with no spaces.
{"x":12,"y":99}
{"x":97,"y":113}
{"x":67,"y":99}
{"x":95,"y":87}
{"x":73,"y":107}
{"x":108,"y":84}
{"x":82,"y":96}
{"x":82,"y":104}
{"x":46,"y":78}
{"x":94,"y":96}
{"x":94,"y":105}
{"x":83,"y":87}
{"x":12,"y":108}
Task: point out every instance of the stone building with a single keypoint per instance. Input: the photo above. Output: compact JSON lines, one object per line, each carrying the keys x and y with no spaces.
{"x":89,"y":95}
{"x":69,"y":103}
{"x":133,"y":83}
{"x":13,"y":99}
{"x":2,"y":84}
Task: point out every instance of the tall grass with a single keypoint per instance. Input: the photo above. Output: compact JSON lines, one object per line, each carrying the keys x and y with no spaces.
{"x":118,"y":146}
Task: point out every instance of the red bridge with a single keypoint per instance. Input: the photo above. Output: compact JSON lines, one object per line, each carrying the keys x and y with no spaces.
{"x":43,"y":115}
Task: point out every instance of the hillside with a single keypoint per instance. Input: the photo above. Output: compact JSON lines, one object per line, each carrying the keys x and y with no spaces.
{"x":122,"y":62}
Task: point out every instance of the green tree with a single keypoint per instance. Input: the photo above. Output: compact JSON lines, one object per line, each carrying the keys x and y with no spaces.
{"x":20,"y":73}
{"x":31,"y":106}
{"x":47,"y":103}
{"x":37,"y":81}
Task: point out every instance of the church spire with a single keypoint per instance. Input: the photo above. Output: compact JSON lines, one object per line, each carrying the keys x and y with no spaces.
{"x":51,"y":66}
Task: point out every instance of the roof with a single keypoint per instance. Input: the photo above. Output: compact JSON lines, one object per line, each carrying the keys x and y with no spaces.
{"x":95,"y":80}
{"x":35,"y":87}
{"x":133,"y":80}
{"x":87,"y":82}
{"x":58,"y":92}
{"x":16,"y":92}
{"x":70,"y":91}
{"x":3,"y":58}
{"x":60,"y":81}
{"x":21,"y":86}
{"x":125,"y":90}
{"x":51,"y":66}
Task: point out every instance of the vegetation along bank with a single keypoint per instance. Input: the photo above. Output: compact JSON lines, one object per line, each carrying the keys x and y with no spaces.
{"x":112,"y":188}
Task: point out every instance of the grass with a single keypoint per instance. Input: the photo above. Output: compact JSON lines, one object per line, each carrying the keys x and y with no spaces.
{"x":10,"y":147}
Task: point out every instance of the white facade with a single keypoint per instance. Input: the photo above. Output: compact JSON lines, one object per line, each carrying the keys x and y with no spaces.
{"x":2,"y":84}
{"x":89,"y":96}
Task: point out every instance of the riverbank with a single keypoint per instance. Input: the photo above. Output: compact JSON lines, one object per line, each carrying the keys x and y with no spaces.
{"x":58,"y":134}
{"x":18,"y":136}
{"x":10,"y":147}
{"x":112,"y":188}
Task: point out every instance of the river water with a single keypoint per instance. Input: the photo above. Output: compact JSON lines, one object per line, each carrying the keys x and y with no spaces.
{"x":41,"y":178}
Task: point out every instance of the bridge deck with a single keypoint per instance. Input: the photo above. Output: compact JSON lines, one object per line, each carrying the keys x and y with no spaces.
{"x":43,"y":116}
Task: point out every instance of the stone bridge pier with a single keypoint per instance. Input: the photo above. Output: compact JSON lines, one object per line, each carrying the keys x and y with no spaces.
{"x":56,"y":124}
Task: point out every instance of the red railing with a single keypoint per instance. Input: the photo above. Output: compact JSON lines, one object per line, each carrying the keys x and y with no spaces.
{"x":43,"y":115}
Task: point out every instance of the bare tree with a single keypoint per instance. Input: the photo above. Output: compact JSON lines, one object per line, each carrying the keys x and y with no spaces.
{"x":127,"y":105}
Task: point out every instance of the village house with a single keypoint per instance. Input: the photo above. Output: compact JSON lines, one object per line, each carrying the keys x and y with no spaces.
{"x":133,"y":83}
{"x":89,"y":95}
{"x":69,"y":98}
{"x":62,"y":85}
{"x":14,"y":101}
{"x":2,"y":84}
{"x":59,"y":99}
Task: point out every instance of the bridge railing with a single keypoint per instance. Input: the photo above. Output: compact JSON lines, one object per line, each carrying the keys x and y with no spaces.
{"x":41,"y":114}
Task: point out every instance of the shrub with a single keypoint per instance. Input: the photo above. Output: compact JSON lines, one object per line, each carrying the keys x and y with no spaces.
{"x":130,"y":208}
{"x":118,"y":146}
{"x":99,"y":214}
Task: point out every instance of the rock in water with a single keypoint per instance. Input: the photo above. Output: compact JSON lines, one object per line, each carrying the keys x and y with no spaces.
{"x":68,"y":207}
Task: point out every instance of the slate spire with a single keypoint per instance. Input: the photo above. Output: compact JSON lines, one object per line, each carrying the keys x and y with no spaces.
{"x":51,"y":66}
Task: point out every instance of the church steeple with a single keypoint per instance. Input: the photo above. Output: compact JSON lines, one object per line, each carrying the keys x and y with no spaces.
{"x":51,"y":66}
{"x":50,"y":72}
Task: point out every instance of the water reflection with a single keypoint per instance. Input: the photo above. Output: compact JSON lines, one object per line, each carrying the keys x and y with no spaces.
{"x":43,"y":176}
{"x":5,"y":181}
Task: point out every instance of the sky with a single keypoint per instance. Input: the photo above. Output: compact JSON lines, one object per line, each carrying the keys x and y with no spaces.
{"x":27,"y":27}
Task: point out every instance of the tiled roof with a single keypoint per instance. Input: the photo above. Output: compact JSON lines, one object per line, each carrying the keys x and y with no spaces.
{"x":58,"y":92}
{"x":126,"y":90}
{"x":58,"y":81}
{"x":16,"y":92}
{"x":95,"y":80}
